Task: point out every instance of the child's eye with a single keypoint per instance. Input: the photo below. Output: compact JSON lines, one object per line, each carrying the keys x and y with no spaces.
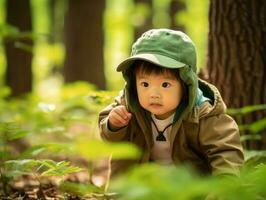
{"x":165,"y":85}
{"x":145,"y":84}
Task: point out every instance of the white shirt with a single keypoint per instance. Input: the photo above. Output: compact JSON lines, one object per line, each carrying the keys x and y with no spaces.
{"x":161,"y":151}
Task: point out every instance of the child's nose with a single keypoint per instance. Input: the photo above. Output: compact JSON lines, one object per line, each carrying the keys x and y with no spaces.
{"x":155,"y":94}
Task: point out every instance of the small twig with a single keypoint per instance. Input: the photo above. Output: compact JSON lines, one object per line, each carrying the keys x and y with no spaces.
{"x":108,"y":174}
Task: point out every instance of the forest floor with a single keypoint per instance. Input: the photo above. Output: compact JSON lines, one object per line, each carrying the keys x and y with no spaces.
{"x":32,"y":187}
{"x":28,"y":188}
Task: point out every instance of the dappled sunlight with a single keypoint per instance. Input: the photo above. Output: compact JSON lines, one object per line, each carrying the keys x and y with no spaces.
{"x":52,"y":144}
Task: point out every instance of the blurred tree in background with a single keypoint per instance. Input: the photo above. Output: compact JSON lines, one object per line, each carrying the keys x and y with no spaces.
{"x":18,"y":47}
{"x":57,"y":11}
{"x":236,"y":56}
{"x":102,"y":33}
{"x":143,"y":20}
{"x":176,"y":6}
{"x":84,"y":42}
{"x":150,"y":14}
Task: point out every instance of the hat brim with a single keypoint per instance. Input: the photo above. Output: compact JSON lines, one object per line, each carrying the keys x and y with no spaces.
{"x":156,"y":59}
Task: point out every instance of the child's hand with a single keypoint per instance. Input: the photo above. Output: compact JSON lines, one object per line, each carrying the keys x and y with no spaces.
{"x":119,"y":117}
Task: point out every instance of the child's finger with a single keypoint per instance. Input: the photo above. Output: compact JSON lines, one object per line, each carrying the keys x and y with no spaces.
{"x":126,"y":115}
{"x":117,"y":116}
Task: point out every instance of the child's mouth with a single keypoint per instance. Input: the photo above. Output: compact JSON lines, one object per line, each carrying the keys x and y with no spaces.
{"x":155,"y":105}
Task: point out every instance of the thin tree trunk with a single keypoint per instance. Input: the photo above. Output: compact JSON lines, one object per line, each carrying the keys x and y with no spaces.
{"x":237,"y":54}
{"x":57,"y":12}
{"x":146,"y":24}
{"x":175,"y":7}
{"x":84,"y":42}
{"x":18,"y":72}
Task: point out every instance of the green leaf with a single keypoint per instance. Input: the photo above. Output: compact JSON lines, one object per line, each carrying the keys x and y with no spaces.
{"x":151,"y":181}
{"x":254,"y":127}
{"x":5,"y":91}
{"x":253,"y":158}
{"x":3,"y":154}
{"x":250,"y":137}
{"x":19,"y":134}
{"x":46,"y":167}
{"x":249,"y":154}
{"x":12,"y":131}
{"x":96,"y":149}
{"x":38,"y":149}
{"x":24,"y":46}
{"x":7,"y":30}
{"x":26,"y":164}
{"x":79,"y":189}
{"x":16,"y":173}
{"x":57,"y":168}
{"x":14,"y":168}
{"x":246,"y":110}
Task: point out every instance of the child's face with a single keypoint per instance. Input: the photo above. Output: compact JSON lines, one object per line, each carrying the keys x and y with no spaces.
{"x":159,"y":93}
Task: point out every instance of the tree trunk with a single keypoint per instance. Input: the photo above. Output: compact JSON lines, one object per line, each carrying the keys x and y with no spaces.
{"x":84,"y":42}
{"x":57,"y":13}
{"x":175,"y":7}
{"x":18,"y":72}
{"x":146,"y":20}
{"x":237,"y":54}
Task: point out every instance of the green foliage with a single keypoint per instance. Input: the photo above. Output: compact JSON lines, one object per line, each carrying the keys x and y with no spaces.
{"x":195,"y":20}
{"x":255,"y":128}
{"x":10,"y":131}
{"x":140,"y":13}
{"x":53,"y":168}
{"x":98,"y":149}
{"x":161,"y":17}
{"x":80,"y":189}
{"x":246,"y":110}
{"x":14,"y":168}
{"x":47,"y":124}
{"x":119,"y":33}
{"x":163,"y":182}
{"x":37,"y":150}
{"x":254,"y":157}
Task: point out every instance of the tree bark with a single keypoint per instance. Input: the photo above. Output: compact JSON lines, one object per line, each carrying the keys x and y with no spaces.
{"x":175,"y":7}
{"x":237,"y":55}
{"x":18,"y":72}
{"x":57,"y":13}
{"x":84,"y":42}
{"x":146,"y":24}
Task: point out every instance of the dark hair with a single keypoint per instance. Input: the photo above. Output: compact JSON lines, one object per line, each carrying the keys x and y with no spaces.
{"x":149,"y":68}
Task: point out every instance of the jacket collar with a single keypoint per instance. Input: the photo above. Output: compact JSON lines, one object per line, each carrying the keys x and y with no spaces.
{"x":215,"y":107}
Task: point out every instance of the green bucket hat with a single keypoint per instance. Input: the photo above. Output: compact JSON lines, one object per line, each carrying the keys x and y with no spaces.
{"x":163,"y":47}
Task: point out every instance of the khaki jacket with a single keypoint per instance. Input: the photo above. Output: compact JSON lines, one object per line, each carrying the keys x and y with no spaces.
{"x":206,"y":138}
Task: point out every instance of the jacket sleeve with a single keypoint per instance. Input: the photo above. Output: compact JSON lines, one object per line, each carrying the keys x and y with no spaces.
{"x":220,"y":141}
{"x":105,"y":132}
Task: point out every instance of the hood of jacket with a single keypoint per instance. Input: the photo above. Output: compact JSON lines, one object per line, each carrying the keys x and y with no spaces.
{"x":191,"y":82}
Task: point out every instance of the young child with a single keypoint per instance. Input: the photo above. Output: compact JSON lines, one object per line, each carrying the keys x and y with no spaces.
{"x":168,"y":112}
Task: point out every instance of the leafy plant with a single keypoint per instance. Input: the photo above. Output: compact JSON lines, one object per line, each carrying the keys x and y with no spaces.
{"x":152,"y":181}
{"x":8,"y":131}
{"x":96,"y":149}
{"x":80,"y":189}
{"x":38,"y":169}
{"x":255,"y":128}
